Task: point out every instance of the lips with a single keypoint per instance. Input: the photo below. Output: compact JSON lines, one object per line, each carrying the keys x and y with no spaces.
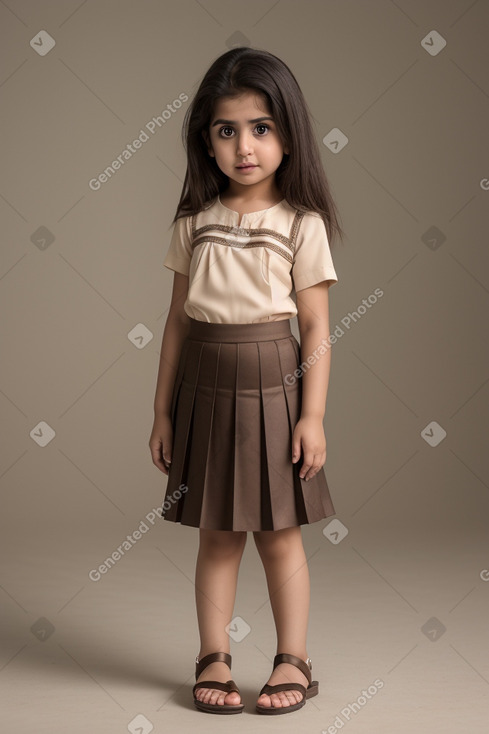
{"x":247,"y":165}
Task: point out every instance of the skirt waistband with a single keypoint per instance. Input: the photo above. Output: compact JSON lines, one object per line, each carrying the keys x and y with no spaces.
{"x":262,"y":331}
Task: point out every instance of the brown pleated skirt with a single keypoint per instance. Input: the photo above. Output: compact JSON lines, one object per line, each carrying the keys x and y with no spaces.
{"x":234,"y":407}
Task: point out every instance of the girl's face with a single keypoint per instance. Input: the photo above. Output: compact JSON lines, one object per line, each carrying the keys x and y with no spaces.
{"x":243,"y":131}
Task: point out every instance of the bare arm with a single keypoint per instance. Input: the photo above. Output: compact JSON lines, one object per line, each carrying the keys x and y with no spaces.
{"x":313,"y":319}
{"x":175,"y":331}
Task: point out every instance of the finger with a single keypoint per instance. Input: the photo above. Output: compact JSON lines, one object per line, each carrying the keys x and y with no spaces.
{"x":317,"y":464}
{"x":296,"y":449}
{"x":156,"y":453}
{"x":307,"y":463}
{"x":159,"y":460}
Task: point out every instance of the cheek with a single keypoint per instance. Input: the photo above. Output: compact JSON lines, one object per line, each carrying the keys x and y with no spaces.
{"x":274,"y":148}
{"x":223,"y":147}
{"x":273,"y":142}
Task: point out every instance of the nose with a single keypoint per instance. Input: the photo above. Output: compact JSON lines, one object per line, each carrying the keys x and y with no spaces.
{"x":244,"y":144}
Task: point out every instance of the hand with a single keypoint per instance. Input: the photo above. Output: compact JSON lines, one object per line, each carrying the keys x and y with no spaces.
{"x":161,"y":442}
{"x":309,"y":432}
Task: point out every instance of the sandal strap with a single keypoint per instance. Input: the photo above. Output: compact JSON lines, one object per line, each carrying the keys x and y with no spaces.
{"x":229,"y":686}
{"x":268,"y":690}
{"x":212,"y":657}
{"x":284,"y":657}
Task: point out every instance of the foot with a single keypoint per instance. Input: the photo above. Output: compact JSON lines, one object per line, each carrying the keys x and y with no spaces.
{"x":284,"y":673}
{"x":222,"y":673}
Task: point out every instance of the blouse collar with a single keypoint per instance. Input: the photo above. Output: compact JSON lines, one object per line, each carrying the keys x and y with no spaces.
{"x":249,"y":216}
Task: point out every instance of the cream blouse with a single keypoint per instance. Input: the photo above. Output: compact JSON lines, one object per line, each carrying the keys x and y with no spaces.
{"x":246,"y":274}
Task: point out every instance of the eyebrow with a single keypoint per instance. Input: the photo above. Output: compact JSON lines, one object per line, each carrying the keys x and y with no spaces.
{"x":234,"y":122}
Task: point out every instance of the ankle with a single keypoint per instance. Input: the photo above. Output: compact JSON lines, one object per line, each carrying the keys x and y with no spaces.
{"x":208,"y":651}
{"x":302,"y":654}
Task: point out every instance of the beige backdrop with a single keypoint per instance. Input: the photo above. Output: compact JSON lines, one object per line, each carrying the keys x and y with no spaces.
{"x":399,"y":93}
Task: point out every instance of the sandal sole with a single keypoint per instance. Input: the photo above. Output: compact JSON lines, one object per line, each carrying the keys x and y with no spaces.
{"x":216,"y":708}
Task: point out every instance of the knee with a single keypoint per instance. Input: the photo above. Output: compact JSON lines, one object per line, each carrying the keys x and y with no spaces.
{"x":272,"y":544}
{"x":222,"y":542}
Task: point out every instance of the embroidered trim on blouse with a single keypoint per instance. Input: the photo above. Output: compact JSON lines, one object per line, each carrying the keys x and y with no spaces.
{"x":256,"y":243}
{"x":198,"y":236}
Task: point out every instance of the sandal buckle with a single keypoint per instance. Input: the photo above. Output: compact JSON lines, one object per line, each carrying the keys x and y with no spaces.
{"x":309,"y":663}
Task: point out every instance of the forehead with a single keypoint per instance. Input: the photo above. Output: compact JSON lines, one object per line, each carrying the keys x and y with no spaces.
{"x":243,"y":107}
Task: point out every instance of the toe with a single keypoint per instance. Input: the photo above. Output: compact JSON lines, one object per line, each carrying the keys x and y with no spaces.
{"x":232,"y":698}
{"x":277,"y":699}
{"x":215,"y":696}
{"x":280,"y":699}
{"x":293,"y":696}
{"x":264,"y":700}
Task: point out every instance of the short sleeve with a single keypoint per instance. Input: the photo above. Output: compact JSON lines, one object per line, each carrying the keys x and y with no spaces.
{"x":180,"y":248}
{"x":312,"y":262}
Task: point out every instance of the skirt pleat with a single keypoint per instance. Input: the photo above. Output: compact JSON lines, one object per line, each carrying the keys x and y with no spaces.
{"x":247,"y":479}
{"x":234,"y":407}
{"x":216,"y":476}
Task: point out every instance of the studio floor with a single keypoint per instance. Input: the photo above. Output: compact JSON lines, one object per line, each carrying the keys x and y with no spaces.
{"x":397,"y":636}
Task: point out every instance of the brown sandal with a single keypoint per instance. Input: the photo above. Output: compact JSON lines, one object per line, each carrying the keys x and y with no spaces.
{"x":311,"y":690}
{"x":230,"y":685}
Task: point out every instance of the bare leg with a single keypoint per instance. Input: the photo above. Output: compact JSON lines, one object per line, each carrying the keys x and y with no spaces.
{"x":216,"y":577}
{"x":287,"y":573}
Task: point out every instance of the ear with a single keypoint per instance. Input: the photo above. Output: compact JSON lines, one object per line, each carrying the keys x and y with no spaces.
{"x":207,"y":141}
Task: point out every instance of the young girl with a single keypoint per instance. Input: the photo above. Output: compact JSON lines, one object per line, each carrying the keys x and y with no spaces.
{"x":239,"y":405}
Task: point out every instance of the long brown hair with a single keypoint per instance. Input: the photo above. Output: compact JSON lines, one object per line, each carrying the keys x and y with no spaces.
{"x":300,"y":176}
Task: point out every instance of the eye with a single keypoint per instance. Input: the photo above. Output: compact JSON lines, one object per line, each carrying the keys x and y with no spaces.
{"x":266,"y":128}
